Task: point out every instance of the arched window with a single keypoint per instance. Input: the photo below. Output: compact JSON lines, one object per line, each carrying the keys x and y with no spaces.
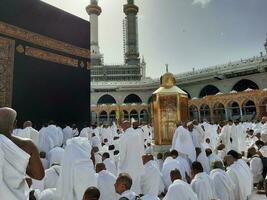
{"x":249,"y":110}
{"x":112,"y":115}
{"x":245,"y":84}
{"x":219,"y":112}
{"x":144,"y":116}
{"x":134,"y":115}
{"x":208,"y":90}
{"x":132,"y":98}
{"x":204,"y":112}
{"x":103,"y":117}
{"x":233,"y":110}
{"x":125,"y":115}
{"x":106,"y":99}
{"x":193,"y":113}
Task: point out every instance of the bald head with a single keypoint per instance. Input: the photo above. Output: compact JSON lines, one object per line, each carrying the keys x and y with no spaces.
{"x":146,"y":158}
{"x":175,"y":174}
{"x":7,"y":119}
{"x":92,"y":193}
{"x":100,"y":167}
{"x":228,"y":160}
{"x":27,"y":124}
{"x":218,"y":165}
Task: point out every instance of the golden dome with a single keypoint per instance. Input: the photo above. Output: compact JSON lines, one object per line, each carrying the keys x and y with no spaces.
{"x":167,"y":80}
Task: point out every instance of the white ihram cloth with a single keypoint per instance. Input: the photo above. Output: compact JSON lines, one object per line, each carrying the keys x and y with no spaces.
{"x":169,"y":165}
{"x":45,"y":141}
{"x":235,"y":138}
{"x":245,"y":166}
{"x":180,"y":190}
{"x":203,"y":159}
{"x":151,"y":180}
{"x":51,"y":176}
{"x":110,"y":166}
{"x":67,"y":134}
{"x":224,"y":137}
{"x":77,"y":172}
{"x":87,"y":133}
{"x":105,"y":184}
{"x":50,"y":137}
{"x":159,"y":163}
{"x":48,"y":194}
{"x":95,"y":142}
{"x":128,"y":194}
{"x":256,"y":168}
{"x":30,"y":133}
{"x":182,"y":142}
{"x":203,"y":186}
{"x":131,"y":157}
{"x":14,"y":162}
{"x":223,"y":184}
{"x":185,"y":164}
{"x":149,"y":197}
{"x":56,"y":134}
{"x":241,"y":180}
{"x":200,"y":135}
{"x":106,"y":133}
{"x":241,"y":132}
{"x":114,"y":129}
{"x":55,"y":156}
{"x":45,"y":163}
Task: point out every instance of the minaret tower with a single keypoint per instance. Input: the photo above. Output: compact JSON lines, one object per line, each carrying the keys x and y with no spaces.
{"x":94,"y":11}
{"x":131,"y":35}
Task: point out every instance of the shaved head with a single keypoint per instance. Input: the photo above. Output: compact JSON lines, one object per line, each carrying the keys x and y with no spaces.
{"x":27,"y":124}
{"x":7,"y":119}
{"x":100,"y":167}
{"x":92,"y":193}
{"x":228,"y":160}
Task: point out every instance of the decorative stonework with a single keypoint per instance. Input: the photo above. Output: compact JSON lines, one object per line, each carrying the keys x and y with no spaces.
{"x":52,"y":57}
{"x":6,"y":71}
{"x":43,"y":41}
{"x":258,"y":97}
{"x":93,"y":9}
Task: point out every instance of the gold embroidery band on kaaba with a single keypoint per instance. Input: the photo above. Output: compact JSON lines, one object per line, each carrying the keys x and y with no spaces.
{"x":43,"y":41}
{"x":52,"y":57}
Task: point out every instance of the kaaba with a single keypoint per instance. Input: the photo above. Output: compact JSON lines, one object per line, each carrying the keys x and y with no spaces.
{"x":44,"y":63}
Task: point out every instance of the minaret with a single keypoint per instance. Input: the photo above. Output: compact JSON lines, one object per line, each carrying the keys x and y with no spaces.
{"x":265,"y":45}
{"x":131,"y":35}
{"x":143,"y":68}
{"x":94,"y":11}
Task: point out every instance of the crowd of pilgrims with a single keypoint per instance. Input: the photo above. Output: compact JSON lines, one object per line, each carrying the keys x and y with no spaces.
{"x":206,"y":161}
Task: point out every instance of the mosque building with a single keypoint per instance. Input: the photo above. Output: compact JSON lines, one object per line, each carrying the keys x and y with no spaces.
{"x":236,"y":90}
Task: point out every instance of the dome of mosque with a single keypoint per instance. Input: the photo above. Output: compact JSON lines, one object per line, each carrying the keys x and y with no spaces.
{"x":167,"y":80}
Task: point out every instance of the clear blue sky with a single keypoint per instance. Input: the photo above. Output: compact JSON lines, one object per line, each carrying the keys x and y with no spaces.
{"x":182,"y":33}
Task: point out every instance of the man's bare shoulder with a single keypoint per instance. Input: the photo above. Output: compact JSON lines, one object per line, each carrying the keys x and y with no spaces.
{"x":24,"y":143}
